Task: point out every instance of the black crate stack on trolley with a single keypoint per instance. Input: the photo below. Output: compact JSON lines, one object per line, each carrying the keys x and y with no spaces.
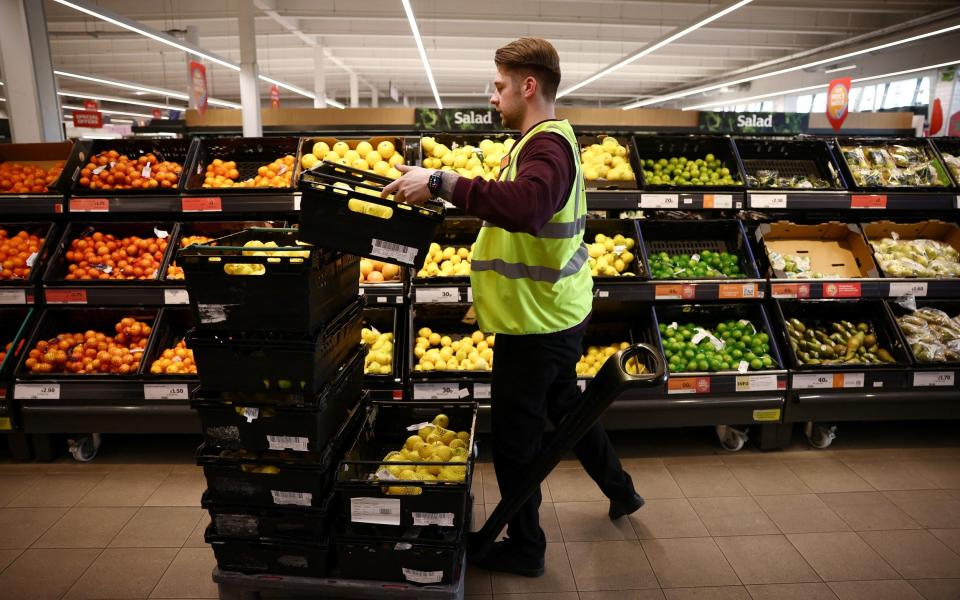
{"x":277,"y":329}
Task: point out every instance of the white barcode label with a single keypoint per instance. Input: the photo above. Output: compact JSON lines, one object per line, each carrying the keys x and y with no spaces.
{"x":768,"y":201}
{"x":481,"y":391}
{"x":165,"y":391}
{"x":433,"y":295}
{"x":212,"y":313}
{"x":292,"y":498}
{"x":808,"y":382}
{"x":32,"y":259}
{"x":933,"y":379}
{"x":285,"y":442}
{"x":423,"y":576}
{"x":296,"y":203}
{"x":176,"y":297}
{"x":146,"y":171}
{"x":722,"y":201}
{"x":441,"y":519}
{"x":659,"y":201}
{"x":399,"y":252}
{"x":13,"y":297}
{"x":382,"y":511}
{"x":909,"y":288}
{"x":436,"y":391}
{"x":37,"y":391}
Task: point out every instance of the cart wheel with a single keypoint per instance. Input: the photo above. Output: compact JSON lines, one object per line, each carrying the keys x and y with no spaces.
{"x":819,"y":435}
{"x":84,"y":448}
{"x":732,"y":439}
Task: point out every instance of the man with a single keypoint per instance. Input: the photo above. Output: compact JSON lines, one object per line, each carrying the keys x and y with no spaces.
{"x":532,"y":287}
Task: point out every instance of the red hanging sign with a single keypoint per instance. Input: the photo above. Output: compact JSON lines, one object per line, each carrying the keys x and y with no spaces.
{"x":274,"y":96}
{"x":198,"y":86}
{"x":90,"y":105}
{"x":157,"y":113}
{"x":87,"y":118}
{"x":838,"y":102}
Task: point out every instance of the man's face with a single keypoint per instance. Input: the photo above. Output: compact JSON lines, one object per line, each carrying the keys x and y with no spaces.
{"x":507,"y":98}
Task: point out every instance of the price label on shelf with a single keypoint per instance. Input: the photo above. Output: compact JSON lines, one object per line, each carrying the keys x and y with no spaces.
{"x":933,"y":378}
{"x":790,"y":290}
{"x":211,"y":204}
{"x":688,"y":385}
{"x":730,"y":291}
{"x":165,"y":391}
{"x":434,"y":295}
{"x":868,"y":201}
{"x":37,"y":391}
{"x":13,"y":296}
{"x":768,"y":201}
{"x":766,"y":415}
{"x":66,"y":296}
{"x":717,"y":201}
{"x":176,"y":297}
{"x":814,"y":381}
{"x":296,"y":203}
{"x":757,"y":383}
{"x":908,"y":288}
{"x":89,"y":205}
{"x":659,"y":201}
{"x":380,"y":511}
{"x":436,"y":391}
{"x":481,"y":391}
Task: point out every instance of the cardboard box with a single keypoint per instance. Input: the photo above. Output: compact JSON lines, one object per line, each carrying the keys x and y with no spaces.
{"x":933,"y":229}
{"x":833,"y":248}
{"x":44,"y":155}
{"x":399,"y":145}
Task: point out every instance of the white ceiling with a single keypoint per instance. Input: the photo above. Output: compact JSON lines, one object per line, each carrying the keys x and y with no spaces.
{"x":373,"y":38}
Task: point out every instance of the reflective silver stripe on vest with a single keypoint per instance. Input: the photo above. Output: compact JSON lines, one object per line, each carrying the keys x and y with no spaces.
{"x":557,"y":230}
{"x":522,"y":271}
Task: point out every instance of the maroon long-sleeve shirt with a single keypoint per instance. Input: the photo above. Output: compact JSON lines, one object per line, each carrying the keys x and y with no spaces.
{"x":544,"y":179}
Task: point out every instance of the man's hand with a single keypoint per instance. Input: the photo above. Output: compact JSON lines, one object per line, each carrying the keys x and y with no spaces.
{"x":411,"y":187}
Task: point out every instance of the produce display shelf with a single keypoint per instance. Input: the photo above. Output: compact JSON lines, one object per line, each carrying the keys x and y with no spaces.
{"x":81,"y":388}
{"x":719,"y":199}
{"x":837,"y":200}
{"x":211,"y":202}
{"x":682,"y":290}
{"x":466,"y":386}
{"x":16,"y":294}
{"x":448,"y":290}
{"x":160,"y":294}
{"x":32,"y":204}
{"x":815,"y":289}
{"x":388,"y":294}
{"x":123,"y":415}
{"x":634,"y":410}
{"x":870,"y":405}
{"x":612,"y":199}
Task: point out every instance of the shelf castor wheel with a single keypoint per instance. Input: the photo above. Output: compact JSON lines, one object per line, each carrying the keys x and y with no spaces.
{"x":732,"y":439}
{"x":84,"y":448}
{"x":820,"y":435}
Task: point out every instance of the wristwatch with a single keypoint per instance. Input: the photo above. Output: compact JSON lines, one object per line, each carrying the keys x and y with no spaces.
{"x":435,"y":183}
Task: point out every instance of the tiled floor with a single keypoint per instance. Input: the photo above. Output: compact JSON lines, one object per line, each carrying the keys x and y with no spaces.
{"x":877,"y":516}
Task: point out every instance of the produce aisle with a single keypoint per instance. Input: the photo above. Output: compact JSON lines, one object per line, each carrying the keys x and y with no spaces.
{"x":878,"y":516}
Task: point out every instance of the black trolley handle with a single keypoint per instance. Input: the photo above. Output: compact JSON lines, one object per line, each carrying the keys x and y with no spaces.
{"x":612,"y":380}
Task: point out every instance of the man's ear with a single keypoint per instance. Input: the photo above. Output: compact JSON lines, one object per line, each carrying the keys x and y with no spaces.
{"x":530,"y":85}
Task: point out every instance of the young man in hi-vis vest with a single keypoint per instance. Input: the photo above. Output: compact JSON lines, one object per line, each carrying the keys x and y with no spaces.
{"x":532,"y":287}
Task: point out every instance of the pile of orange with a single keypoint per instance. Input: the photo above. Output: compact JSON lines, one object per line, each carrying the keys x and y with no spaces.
{"x":19,"y":178}
{"x":111,"y":170}
{"x":15,"y":253}
{"x":224,"y":174}
{"x":104,"y":256}
{"x":175,"y":272}
{"x":175,"y":361}
{"x":375,"y":271}
{"x":92,"y":351}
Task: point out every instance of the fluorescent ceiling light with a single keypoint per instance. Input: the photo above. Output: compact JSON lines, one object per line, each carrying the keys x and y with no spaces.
{"x":654,"y":47}
{"x":423,"y":52}
{"x":142,"y":88}
{"x":112,"y":112}
{"x":298,"y":90}
{"x":112,"y":120}
{"x":821,"y":85}
{"x":115,"y":19}
{"x":838,"y":69}
{"x":119,"y":99}
{"x":833,"y":59}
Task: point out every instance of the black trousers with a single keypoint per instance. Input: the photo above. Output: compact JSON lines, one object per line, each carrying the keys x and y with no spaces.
{"x":534,"y":378}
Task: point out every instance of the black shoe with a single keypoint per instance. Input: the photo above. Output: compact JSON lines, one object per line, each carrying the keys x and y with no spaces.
{"x":622,"y":508}
{"x":504,"y":558}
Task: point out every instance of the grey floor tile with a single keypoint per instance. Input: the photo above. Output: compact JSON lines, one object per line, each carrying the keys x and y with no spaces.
{"x":667,"y":518}
{"x":733,"y":516}
{"x":766,"y":559}
{"x":915,"y":554}
{"x":896,"y":589}
{"x":689,"y":562}
{"x":791,"y":591}
{"x":589,"y":522}
{"x":841,"y":556}
{"x":610,"y":565}
{"x":804,"y":513}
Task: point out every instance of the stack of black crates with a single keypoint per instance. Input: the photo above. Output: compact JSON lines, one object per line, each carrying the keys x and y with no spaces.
{"x":277,"y":342}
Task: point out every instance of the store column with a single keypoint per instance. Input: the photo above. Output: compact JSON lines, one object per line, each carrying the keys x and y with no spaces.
{"x":33,"y":108}
{"x":319,"y":78}
{"x":354,"y":90}
{"x":249,"y":73}
{"x":374,"y":97}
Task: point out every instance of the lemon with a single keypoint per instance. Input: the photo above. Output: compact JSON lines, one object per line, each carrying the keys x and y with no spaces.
{"x":360,"y":164}
{"x":341,"y":148}
{"x":395,"y":160}
{"x":381,"y":168}
{"x":413,"y":442}
{"x":448,"y":437}
{"x":331,"y":157}
{"x":442,"y":454}
{"x":364,"y":148}
{"x":351,"y":156}
{"x":394,"y":174}
{"x":372,"y":158}
{"x":428,"y":144}
{"x":320,"y":149}
{"x":425,"y":451}
{"x":385,"y":148}
{"x":309,"y":161}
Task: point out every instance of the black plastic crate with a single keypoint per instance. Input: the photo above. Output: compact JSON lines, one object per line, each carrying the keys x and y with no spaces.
{"x":292,"y":294}
{"x":166,"y":150}
{"x":693,"y":237}
{"x":46,"y":155}
{"x":54,"y":321}
{"x":614,"y":322}
{"x":172,"y":326}
{"x":208,"y":229}
{"x":276,"y":478}
{"x":355,"y":219}
{"x":300,"y":524}
{"x":949,"y":150}
{"x":628,"y":228}
{"x":626,"y":140}
{"x":58,"y":267}
{"x":765,"y":160}
{"x":248,"y":153}
{"x":387,"y":320}
{"x":447,"y":319}
{"x":691,"y":147}
{"x":870,"y":311}
{"x":45,"y":230}
{"x":851,"y":161}
{"x":403,"y":503}
{"x":417,"y":555}
{"x":951,"y":307}
{"x":276,"y":362}
{"x":273,"y":557}
{"x":15,"y":324}
{"x":456,"y":233}
{"x":298,"y":427}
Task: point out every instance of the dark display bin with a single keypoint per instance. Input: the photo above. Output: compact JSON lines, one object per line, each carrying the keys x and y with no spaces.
{"x":168,"y":150}
{"x":693,"y":237}
{"x":360,"y":222}
{"x":455,"y":232}
{"x":950,"y":307}
{"x":455,"y":320}
{"x":628,"y":228}
{"x":276,"y":479}
{"x":58,"y":267}
{"x":44,"y":230}
{"x":273,"y":557}
{"x":292,"y":294}
{"x":692,"y":147}
{"x":15,"y":324}
{"x":387,"y":320}
{"x":883,"y":161}
{"x":301,"y":524}
{"x":207,"y":229}
{"x":766,"y":160}
{"x":276,"y":362}
{"x":173,"y":324}
{"x":249,"y":153}
{"x":54,"y":321}
{"x":949,"y":150}
{"x":626,"y":140}
{"x":303,"y":428}
{"x":399,"y":503}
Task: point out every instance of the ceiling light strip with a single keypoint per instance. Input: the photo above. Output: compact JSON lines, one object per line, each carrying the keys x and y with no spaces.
{"x":112,"y":112}
{"x":654,"y":47}
{"x":833,"y":59}
{"x":142,"y":88}
{"x":422,"y":50}
{"x":120,"y":100}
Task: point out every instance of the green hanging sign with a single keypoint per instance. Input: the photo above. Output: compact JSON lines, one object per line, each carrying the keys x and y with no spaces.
{"x":753,"y":122}
{"x":457,"y":119}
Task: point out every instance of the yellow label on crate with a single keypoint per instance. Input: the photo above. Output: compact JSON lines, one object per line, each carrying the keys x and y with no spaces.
{"x":6,"y":424}
{"x":766,"y":415}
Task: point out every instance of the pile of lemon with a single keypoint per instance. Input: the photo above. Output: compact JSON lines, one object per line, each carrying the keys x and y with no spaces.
{"x":263,"y":250}
{"x":446,"y":262}
{"x":383,"y":160}
{"x":468,"y":161}
{"x":611,"y":256}
{"x":608,"y":160}
{"x":442,"y":452}
{"x":590,"y":363}
{"x":379,"y":359}
{"x":437,"y":352}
